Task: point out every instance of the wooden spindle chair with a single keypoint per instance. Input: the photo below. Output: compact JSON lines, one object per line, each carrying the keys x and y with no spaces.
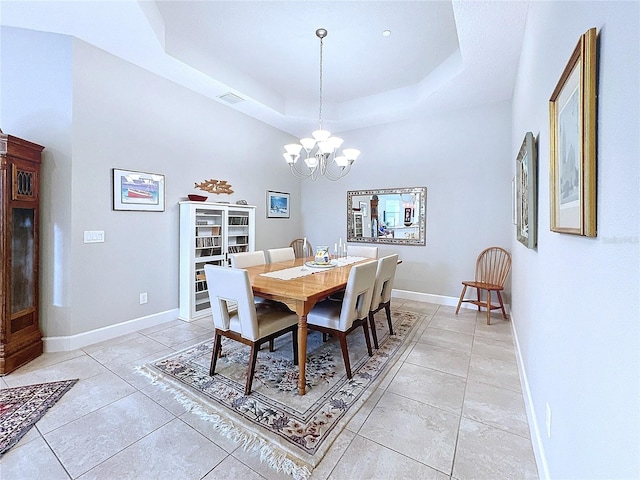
{"x":492,"y":267}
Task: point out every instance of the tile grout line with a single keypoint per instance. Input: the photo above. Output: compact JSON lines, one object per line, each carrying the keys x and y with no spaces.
{"x":464,"y":396}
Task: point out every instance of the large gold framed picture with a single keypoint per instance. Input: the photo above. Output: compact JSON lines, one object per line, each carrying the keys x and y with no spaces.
{"x":572,"y":114}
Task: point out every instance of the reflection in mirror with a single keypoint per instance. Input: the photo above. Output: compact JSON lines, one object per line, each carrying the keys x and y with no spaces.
{"x":392,"y":215}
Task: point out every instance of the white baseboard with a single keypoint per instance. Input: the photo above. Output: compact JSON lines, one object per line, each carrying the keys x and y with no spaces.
{"x":424,"y":297}
{"x":73,"y":342}
{"x":536,"y":434}
{"x":437,"y":299}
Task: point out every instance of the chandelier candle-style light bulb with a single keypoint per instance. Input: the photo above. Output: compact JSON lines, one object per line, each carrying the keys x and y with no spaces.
{"x":325,"y":160}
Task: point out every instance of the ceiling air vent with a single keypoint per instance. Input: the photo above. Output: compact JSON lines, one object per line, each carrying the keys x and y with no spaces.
{"x":231,"y":98}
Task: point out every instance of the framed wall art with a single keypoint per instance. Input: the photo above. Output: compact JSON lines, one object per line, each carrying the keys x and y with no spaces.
{"x":514,"y":202}
{"x":527,"y":193}
{"x":138,"y":191}
{"x":572,"y":114}
{"x":277,"y":205}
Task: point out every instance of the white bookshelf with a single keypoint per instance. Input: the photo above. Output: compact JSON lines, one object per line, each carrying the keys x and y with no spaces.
{"x":209,"y":232}
{"x":357,"y":224}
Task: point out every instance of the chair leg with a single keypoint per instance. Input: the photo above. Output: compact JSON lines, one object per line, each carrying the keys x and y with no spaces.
{"x":271,"y":348}
{"x":464,"y":290}
{"x":504,"y":314}
{"x":478,"y":293}
{"x":252,"y":368}
{"x":488,"y":307}
{"x":325,"y":337}
{"x":217,"y":344}
{"x":374,"y":334}
{"x":365,"y":327}
{"x":387,"y":309}
{"x":345,"y":352}
{"x":294,"y":341}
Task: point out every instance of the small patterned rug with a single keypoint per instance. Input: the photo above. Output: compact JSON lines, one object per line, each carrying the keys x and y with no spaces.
{"x":292,"y":432}
{"x":22,"y":407}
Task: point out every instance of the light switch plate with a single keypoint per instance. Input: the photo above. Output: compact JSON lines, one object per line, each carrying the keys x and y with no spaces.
{"x":94,"y":236}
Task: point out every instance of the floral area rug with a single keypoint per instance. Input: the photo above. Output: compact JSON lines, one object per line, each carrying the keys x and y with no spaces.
{"x":22,"y":407}
{"x":292,"y":432}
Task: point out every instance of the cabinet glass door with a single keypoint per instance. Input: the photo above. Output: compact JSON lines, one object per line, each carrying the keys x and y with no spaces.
{"x":22,"y":260}
{"x":238,"y":236}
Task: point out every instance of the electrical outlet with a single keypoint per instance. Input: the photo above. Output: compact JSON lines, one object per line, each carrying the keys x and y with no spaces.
{"x":143,"y":298}
{"x":548,"y":421}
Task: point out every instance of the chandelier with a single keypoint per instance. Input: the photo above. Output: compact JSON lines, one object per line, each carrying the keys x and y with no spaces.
{"x":321,"y":151}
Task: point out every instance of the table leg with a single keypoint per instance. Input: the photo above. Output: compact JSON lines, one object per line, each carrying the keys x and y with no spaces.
{"x":302,"y":353}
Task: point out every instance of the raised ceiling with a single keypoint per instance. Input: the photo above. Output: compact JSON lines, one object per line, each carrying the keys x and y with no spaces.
{"x":440,"y":55}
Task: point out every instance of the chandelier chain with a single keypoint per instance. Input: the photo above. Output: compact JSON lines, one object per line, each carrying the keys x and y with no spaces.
{"x":320,"y":113}
{"x":321,"y":157}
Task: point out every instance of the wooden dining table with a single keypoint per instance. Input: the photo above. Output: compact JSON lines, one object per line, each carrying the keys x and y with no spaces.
{"x":300,"y":295}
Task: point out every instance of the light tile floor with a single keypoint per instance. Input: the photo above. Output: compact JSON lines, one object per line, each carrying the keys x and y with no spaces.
{"x":451,"y":408}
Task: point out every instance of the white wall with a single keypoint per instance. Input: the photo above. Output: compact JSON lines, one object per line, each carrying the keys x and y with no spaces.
{"x":93,"y":112}
{"x":128,"y":118}
{"x":463,"y":159}
{"x":36,"y":99}
{"x":575,"y":299}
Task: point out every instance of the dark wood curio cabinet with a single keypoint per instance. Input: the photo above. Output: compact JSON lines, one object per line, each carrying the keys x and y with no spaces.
{"x":20,"y":335}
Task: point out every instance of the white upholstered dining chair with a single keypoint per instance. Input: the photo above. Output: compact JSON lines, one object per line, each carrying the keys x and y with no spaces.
{"x":281,"y":254}
{"x":381,"y":298}
{"x":362,"y":251}
{"x":356,"y":251}
{"x":251,"y":323}
{"x":250,"y":259}
{"x":247,"y":259}
{"x":340,"y":319}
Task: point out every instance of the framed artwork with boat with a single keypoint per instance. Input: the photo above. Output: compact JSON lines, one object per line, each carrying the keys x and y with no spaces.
{"x":139,"y":191}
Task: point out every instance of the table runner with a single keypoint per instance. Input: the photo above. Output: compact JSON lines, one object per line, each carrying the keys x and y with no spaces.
{"x":302,"y":270}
